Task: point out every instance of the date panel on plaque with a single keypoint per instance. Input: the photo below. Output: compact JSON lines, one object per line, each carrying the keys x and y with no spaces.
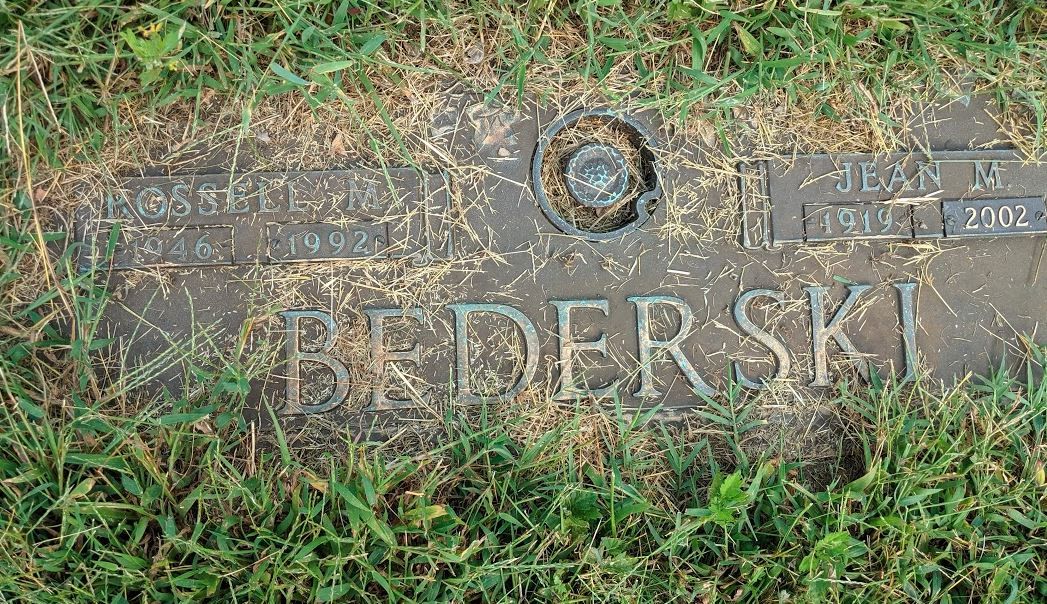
{"x":981,"y":217}
{"x":857,"y":221}
{"x":181,"y":246}
{"x":299,"y":242}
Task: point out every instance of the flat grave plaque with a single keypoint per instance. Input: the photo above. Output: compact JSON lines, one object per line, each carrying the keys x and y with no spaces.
{"x":588,"y":253}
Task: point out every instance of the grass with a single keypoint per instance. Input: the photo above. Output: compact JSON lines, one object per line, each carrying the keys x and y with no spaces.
{"x":68,"y":65}
{"x":164,"y":507}
{"x":930,"y":496}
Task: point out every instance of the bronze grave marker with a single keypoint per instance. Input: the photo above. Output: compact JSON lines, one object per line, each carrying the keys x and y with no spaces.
{"x":587,"y":253}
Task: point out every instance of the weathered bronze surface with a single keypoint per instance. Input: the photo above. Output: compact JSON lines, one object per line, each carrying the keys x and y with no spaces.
{"x":574,"y":267}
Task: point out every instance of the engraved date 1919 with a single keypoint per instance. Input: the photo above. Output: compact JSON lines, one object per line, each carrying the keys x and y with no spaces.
{"x":855,"y":221}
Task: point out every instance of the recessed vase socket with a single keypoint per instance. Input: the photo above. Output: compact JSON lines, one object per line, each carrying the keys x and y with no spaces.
{"x":595,"y":175}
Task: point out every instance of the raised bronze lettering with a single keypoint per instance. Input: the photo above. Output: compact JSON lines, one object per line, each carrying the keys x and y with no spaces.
{"x":987,"y":178}
{"x":208,"y":193}
{"x":776,"y":346}
{"x":362,"y":198}
{"x":147,"y":195}
{"x":569,"y":390}
{"x":932,"y":170}
{"x":265,"y":189}
{"x":847,"y":181}
{"x":116,"y":204}
{"x":235,"y":195}
{"x":461,"y":339}
{"x":180,"y":206}
{"x":380,"y":356}
{"x":897,"y":177}
{"x":821,"y":332}
{"x":295,"y":356}
{"x":292,"y":200}
{"x":648,"y":345}
{"x":869,"y":176}
{"x":907,"y":310}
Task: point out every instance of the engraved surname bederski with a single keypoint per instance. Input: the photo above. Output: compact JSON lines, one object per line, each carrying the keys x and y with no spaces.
{"x":829,"y":336}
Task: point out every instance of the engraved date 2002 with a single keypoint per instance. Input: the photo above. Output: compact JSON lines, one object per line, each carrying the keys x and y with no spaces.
{"x":994,"y":217}
{"x":1006,"y":216}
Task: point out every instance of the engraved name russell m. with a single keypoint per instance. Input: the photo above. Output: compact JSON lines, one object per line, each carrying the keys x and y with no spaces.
{"x":827,"y":328}
{"x":204,"y":196}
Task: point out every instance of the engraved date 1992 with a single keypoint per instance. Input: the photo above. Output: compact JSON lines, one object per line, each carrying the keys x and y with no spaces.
{"x":290,"y":242}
